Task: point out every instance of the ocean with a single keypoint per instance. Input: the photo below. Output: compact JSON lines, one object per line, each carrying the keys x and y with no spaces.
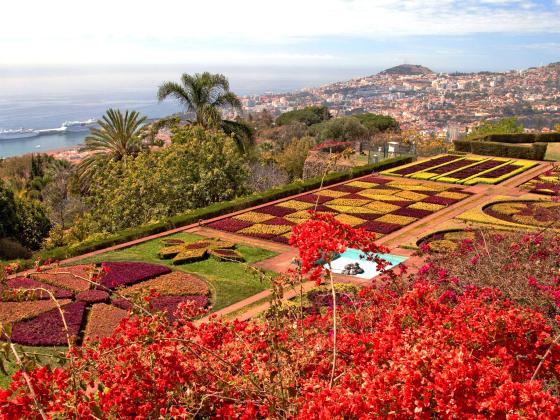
{"x":44,"y":98}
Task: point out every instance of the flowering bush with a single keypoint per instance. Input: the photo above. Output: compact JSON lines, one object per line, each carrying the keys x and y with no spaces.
{"x":418,"y":353}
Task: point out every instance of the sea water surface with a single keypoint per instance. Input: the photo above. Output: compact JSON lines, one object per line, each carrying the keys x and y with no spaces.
{"x":44,"y":98}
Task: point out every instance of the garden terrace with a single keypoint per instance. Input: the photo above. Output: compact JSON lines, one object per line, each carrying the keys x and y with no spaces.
{"x":467,"y":170}
{"x":377,"y":204}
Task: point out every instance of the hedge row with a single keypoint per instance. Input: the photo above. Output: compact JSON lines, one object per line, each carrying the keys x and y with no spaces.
{"x":218,"y":209}
{"x":520,"y":138}
{"x":534,"y":151}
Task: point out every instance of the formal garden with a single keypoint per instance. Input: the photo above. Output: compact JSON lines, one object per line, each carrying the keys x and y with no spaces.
{"x":200,"y":279}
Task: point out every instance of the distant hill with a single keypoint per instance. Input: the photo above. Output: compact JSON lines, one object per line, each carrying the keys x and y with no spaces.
{"x":408,"y":70}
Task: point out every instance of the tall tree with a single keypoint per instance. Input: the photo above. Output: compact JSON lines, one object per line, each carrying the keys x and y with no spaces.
{"x":118,"y":136}
{"x":205,"y":94}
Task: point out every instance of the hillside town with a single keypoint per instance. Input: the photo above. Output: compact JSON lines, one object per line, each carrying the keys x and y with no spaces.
{"x":440,"y":103}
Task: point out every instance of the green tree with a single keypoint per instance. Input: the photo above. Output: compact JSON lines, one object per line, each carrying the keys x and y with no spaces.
{"x":8,"y":214}
{"x":117,"y":137}
{"x":199,"y":168}
{"x":308,"y":116}
{"x":292,"y":158}
{"x":342,"y":129}
{"x":205,"y":94}
{"x":32,"y":225}
{"x":502,"y":126}
{"x":375,"y":123}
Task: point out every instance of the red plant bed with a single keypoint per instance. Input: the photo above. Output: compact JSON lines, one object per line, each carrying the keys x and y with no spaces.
{"x":278,"y":221}
{"x":452,"y":166}
{"x":440,"y":200}
{"x":476,"y":169}
{"x":9,"y":290}
{"x":380,"y":227}
{"x":424,"y":165}
{"x":418,"y":213}
{"x":127,"y":273}
{"x":375,"y":179}
{"x":345,"y":189}
{"x":93,"y":296}
{"x":277,"y":211}
{"x":496,"y":173}
{"x":314,"y":198}
{"x":47,"y":329}
{"x":229,"y":225}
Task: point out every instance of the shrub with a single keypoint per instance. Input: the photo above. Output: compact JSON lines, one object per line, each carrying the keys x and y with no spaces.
{"x":11,"y":250}
{"x":16,"y":311}
{"x":175,"y":283}
{"x":103,"y":319}
{"x":10,"y":289}
{"x":93,"y":296}
{"x":70,"y":277}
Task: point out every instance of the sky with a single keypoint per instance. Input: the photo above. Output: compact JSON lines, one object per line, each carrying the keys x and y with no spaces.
{"x":447,"y":35}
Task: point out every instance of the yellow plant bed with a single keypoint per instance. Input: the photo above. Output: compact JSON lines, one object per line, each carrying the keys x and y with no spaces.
{"x":396,"y":220}
{"x":253,"y":217}
{"x":426,"y":206}
{"x":411,"y":195}
{"x":296,"y":205}
{"x":266,"y":229}
{"x":349,"y":220}
{"x":362,"y":184}
{"x":330,"y":193}
{"x":350,"y":202}
{"x":381,"y":207}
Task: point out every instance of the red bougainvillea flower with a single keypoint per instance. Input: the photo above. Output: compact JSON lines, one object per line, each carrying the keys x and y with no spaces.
{"x":321,"y":238}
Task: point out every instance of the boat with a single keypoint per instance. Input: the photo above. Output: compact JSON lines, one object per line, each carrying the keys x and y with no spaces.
{"x":77,"y":126}
{"x":18,"y":133}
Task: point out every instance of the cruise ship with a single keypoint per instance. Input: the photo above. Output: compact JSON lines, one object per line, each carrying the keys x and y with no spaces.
{"x":76,"y":126}
{"x":18,"y":133}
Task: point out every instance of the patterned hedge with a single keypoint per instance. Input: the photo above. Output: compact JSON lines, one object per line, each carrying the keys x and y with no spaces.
{"x":458,"y":169}
{"x":37,"y":321}
{"x":378,"y":204}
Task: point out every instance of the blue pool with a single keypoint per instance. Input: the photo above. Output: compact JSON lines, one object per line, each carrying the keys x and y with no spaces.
{"x":370,"y":267}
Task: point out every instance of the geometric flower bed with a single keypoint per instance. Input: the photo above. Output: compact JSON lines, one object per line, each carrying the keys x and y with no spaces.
{"x":377,"y":204}
{"x":531,"y":213}
{"x":458,"y":169}
{"x":446,"y":240}
{"x":547,"y":183}
{"x":37,"y":321}
{"x":183,"y":252}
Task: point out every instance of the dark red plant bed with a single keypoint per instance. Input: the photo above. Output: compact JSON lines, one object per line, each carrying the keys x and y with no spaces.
{"x":229,"y":225}
{"x":93,"y":296}
{"x":279,"y":221}
{"x":281,"y":240}
{"x":127,"y":273}
{"x":380,"y":227}
{"x":497,"y":173}
{"x":47,"y":329}
{"x":345,"y":188}
{"x":314,"y":198}
{"x":440,"y":200}
{"x":277,"y":211}
{"x":425,"y":165}
{"x":452,"y":166}
{"x":13,"y":287}
{"x":375,"y":179}
{"x":417,"y":213}
{"x":476,"y":169}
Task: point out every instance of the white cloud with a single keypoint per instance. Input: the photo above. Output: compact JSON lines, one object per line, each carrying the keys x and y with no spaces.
{"x":115,"y":31}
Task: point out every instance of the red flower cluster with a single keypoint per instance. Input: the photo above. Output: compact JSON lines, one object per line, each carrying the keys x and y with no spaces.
{"x":322,"y":238}
{"x":408,"y":355}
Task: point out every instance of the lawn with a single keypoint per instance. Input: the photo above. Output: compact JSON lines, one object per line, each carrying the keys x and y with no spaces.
{"x":229,"y":282}
{"x":553,"y":151}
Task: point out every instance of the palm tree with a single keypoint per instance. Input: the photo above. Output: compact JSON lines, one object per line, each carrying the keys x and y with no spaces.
{"x":117,"y":137}
{"x":204,"y":94}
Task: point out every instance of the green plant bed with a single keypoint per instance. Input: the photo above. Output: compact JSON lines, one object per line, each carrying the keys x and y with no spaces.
{"x":229,"y":282}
